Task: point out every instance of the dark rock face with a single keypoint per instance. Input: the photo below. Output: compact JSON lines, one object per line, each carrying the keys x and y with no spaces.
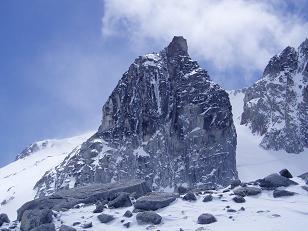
{"x":34,"y":218}
{"x":67,"y":199}
{"x":282,"y":193}
{"x":165,"y":122}
{"x":274,"y":181}
{"x":276,"y":106}
{"x":105,"y":218}
{"x":154,"y":201}
{"x":206,"y":218}
{"x":239,"y":199}
{"x":247,"y":191}
{"x":285,"y":173}
{"x":41,"y":145}
{"x":148,"y":217}
{"x":4,"y":219}
{"x":190,"y":196}
{"x":182,"y":190}
{"x":235,"y":183}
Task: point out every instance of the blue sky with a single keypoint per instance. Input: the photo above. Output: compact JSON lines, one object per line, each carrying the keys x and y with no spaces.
{"x":60,"y":59}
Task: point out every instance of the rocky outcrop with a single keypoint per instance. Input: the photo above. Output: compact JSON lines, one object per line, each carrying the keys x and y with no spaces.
{"x":67,"y":199}
{"x":165,"y":122}
{"x":276,"y":106}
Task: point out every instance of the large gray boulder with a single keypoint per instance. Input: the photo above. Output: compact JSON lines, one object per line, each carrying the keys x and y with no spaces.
{"x":165,"y":122}
{"x":148,"y":217}
{"x":105,"y":218}
{"x":247,"y":191}
{"x":276,"y":106}
{"x":155,"y":200}
{"x":274,"y":181}
{"x":282,"y":193}
{"x":66,"y":228}
{"x":90,"y":194}
{"x":206,"y":218}
{"x":34,"y":218}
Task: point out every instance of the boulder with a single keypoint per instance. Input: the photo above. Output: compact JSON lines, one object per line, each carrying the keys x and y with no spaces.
{"x":154,"y":201}
{"x":87,"y":225}
{"x":128,"y":214}
{"x":105,"y":218}
{"x":99,"y":207}
{"x":122,"y":200}
{"x":285,"y":172}
{"x":274,"y":181}
{"x":66,"y":228}
{"x":247,"y":191}
{"x":231,"y":210}
{"x":238,"y":199}
{"x":182,"y":190}
{"x":235,"y":183}
{"x":127,"y":224}
{"x":148,"y":217}
{"x":89,"y":194}
{"x":45,"y":227}
{"x":207,"y":198}
{"x":190,"y":196}
{"x":206,"y":218}
{"x":4,"y":219}
{"x":304,"y":177}
{"x":34,"y":218}
{"x":282,"y":193}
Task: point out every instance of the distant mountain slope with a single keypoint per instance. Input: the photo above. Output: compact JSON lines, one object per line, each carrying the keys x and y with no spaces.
{"x":18,"y":178}
{"x":276,"y":106}
{"x":253,"y":161}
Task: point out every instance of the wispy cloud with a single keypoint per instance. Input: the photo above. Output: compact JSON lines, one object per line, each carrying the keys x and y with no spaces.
{"x":229,"y":34}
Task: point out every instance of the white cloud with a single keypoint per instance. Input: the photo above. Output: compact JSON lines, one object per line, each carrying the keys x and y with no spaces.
{"x":228,"y":33}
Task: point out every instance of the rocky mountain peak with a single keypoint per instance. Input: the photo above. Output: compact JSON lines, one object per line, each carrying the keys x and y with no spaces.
{"x":165,"y":122}
{"x":178,"y":46}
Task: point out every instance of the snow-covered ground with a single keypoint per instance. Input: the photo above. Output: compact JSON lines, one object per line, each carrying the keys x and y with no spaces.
{"x":262,"y":212}
{"x":253,"y":161}
{"x":18,"y":178}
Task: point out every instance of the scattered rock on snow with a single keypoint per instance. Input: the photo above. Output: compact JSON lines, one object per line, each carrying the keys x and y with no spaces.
{"x":105,"y":218}
{"x":206,"y":218}
{"x":207,"y":198}
{"x":190,"y":196}
{"x":127,"y":224}
{"x":154,"y":201}
{"x":87,"y":225}
{"x":282,"y":193}
{"x":148,"y":217}
{"x":128,"y":214}
{"x":238,"y":199}
{"x":285,"y":172}
{"x":247,"y":191}
{"x":274,"y":181}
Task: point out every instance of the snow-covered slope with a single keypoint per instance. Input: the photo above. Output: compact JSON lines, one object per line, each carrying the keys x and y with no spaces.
{"x":18,"y":178}
{"x":253,"y":161}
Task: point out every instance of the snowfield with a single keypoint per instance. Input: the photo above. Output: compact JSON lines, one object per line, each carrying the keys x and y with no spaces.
{"x":18,"y":178}
{"x":253,"y":161}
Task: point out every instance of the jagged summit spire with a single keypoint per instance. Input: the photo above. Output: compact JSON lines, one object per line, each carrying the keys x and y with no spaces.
{"x":178,"y":46}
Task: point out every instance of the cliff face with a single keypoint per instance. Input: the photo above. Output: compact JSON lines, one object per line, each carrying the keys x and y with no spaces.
{"x":276,"y":106}
{"x":165,"y":122}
